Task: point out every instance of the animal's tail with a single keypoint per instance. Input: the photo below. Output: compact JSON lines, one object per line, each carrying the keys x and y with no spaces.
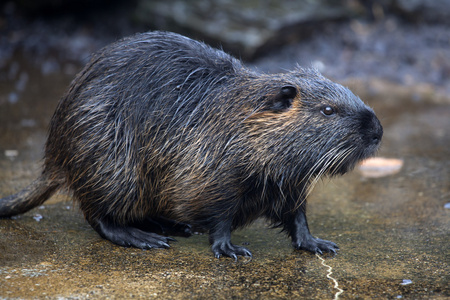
{"x":33,"y":195}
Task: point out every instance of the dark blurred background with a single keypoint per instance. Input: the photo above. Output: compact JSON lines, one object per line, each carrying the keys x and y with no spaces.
{"x":403,"y":40}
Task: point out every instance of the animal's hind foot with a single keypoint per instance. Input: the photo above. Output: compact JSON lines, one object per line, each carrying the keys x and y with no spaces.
{"x":130,"y":236}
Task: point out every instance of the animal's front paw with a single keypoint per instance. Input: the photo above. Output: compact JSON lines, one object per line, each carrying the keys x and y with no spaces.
{"x":316,"y":245}
{"x":230,"y":250}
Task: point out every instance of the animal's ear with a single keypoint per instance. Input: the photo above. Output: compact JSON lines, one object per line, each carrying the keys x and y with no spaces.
{"x":282,"y":100}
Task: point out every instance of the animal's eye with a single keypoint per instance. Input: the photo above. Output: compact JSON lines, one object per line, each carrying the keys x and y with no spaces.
{"x":327,"y":111}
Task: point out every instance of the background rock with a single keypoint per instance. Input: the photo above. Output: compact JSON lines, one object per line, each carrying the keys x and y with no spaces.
{"x":435,"y":11}
{"x":244,"y":28}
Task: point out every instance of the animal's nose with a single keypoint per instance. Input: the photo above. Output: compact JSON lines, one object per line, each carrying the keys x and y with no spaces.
{"x":377,"y":131}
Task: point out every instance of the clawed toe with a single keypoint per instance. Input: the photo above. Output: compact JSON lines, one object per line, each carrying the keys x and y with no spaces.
{"x":230,"y":250}
{"x":146,"y":240}
{"x":318,"y":246}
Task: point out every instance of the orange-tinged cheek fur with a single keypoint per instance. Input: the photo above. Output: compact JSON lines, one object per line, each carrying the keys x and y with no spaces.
{"x":265,"y":126}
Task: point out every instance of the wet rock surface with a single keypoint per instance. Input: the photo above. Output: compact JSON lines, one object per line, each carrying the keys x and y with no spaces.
{"x":422,"y":10}
{"x":245,"y":28}
{"x":414,"y":55}
{"x":393,"y":231}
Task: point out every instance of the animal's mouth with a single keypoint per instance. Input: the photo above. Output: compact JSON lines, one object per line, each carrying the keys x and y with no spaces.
{"x":351,"y":155}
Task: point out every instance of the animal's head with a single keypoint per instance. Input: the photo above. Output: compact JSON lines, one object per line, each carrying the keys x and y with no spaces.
{"x":306,"y":125}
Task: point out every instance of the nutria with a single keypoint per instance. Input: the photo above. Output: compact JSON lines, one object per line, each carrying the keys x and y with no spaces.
{"x":159,"y":132}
